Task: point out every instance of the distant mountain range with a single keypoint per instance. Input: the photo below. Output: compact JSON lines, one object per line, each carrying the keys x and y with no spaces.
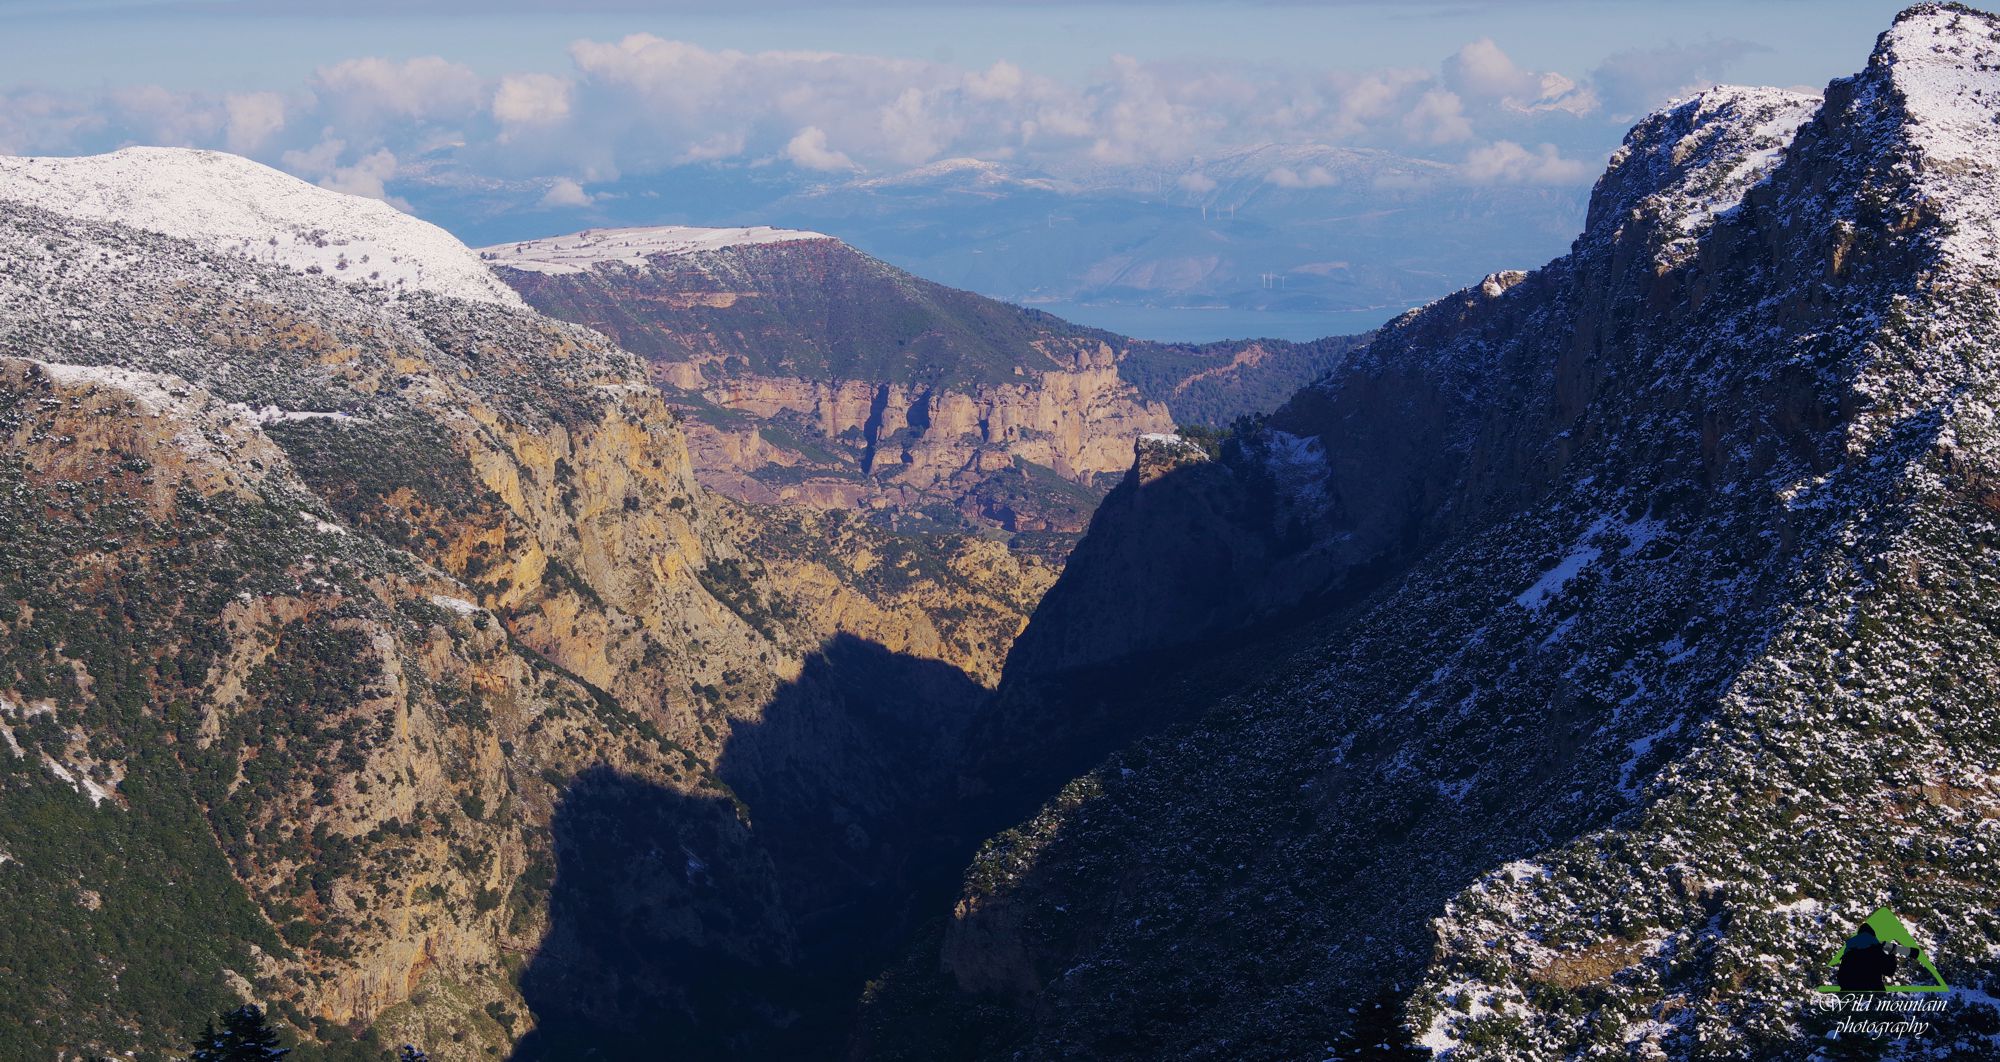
{"x":1292,"y":241}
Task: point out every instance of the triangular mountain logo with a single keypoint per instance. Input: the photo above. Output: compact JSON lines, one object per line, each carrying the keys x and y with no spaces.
{"x":1881,"y":956}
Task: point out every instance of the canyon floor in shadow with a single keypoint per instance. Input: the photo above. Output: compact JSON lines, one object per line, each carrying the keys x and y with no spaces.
{"x":696,"y":927}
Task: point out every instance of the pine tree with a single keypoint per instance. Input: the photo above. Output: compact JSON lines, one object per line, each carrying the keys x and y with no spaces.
{"x":207,"y":1046}
{"x":245,"y":1037}
{"x":1378,"y":1033}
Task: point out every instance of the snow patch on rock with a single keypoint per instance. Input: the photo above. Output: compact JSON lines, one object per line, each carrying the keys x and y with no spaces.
{"x":1627,"y":537}
{"x":274,"y":415}
{"x":1297,"y":464}
{"x":455,"y":604}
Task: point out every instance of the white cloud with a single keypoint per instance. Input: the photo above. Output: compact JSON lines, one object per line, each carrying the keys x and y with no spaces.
{"x":1482,"y":69}
{"x":1438,"y":118}
{"x":428,"y":88}
{"x":366,"y":177}
{"x":1638,"y":80}
{"x":162,"y":116}
{"x":1003,"y":81}
{"x":1370,"y":99}
{"x":1149,"y":114}
{"x":531,"y":99}
{"x":316,"y":160}
{"x":1198,"y":183}
{"x":915,"y":132}
{"x":724,"y":145}
{"x":254,"y":117}
{"x":565,"y":192}
{"x":809,"y":149}
{"x":33,"y":121}
{"x":1506,"y":162}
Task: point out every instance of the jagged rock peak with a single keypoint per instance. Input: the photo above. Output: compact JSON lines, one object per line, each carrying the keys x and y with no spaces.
{"x":1692,"y":161}
{"x":231,"y":204}
{"x":1496,"y":284}
{"x":1940,"y":64}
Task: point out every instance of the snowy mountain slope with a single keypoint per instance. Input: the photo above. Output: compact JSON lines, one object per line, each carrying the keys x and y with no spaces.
{"x":1944,"y":69}
{"x":233,"y":205}
{"x":1634,"y":642}
{"x":963,"y":176}
{"x":580,"y":251}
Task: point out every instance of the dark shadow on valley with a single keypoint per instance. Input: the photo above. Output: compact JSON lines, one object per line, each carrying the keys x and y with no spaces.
{"x":746,"y":924}
{"x":698,"y":927}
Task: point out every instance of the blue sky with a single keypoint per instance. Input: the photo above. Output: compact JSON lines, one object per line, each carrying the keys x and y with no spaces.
{"x":86,"y":43}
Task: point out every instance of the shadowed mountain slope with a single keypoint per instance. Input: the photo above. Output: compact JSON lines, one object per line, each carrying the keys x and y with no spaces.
{"x":1597,"y":649}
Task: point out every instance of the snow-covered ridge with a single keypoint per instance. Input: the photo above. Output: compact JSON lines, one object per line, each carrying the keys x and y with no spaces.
{"x":1944,"y":61}
{"x":233,"y":205}
{"x":1695,"y":159}
{"x":580,"y":251}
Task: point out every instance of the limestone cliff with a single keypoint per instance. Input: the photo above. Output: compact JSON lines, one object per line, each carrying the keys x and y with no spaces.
{"x":813,"y":374}
{"x":377,"y":760}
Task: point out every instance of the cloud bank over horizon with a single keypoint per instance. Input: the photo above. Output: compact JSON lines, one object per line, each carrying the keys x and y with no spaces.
{"x":643,"y":103}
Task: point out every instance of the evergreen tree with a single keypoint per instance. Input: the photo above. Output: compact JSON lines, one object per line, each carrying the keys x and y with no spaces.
{"x":245,"y":1037}
{"x":411,"y":1053}
{"x":1378,"y":1033}
{"x":207,"y":1046}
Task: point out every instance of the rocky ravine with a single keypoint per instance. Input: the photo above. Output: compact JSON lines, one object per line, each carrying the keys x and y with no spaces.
{"x":1597,"y":648}
{"x":366,"y":644}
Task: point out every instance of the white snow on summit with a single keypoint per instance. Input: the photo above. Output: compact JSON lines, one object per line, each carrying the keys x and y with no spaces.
{"x":580,"y":251}
{"x":1945,"y":63}
{"x":233,"y":205}
{"x":1780,"y":113}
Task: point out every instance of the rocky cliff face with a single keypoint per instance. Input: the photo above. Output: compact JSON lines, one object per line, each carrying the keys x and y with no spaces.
{"x":369,"y":646}
{"x":1604,"y":643}
{"x":813,"y":374}
{"x":852,"y":383}
{"x":917,"y":444}
{"x":338,"y":764}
